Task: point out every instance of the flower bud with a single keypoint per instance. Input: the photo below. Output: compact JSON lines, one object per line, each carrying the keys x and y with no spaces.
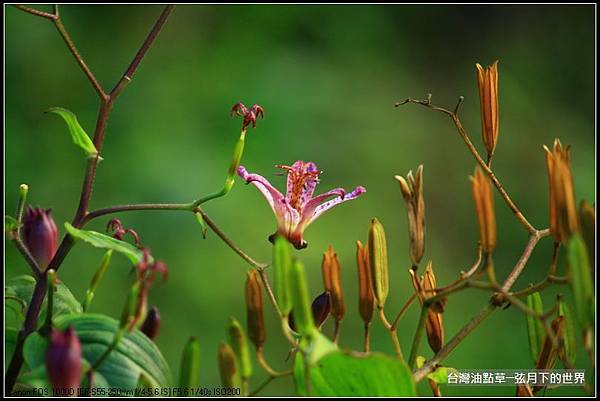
{"x":151,"y":325}
{"x":63,"y":359}
{"x":563,"y":209}
{"x":536,"y":333}
{"x":40,"y":235}
{"x":567,"y":350}
{"x":331,"y":280}
{"x":365,"y":289}
{"x":230,"y":375}
{"x":487,"y":80}
{"x":412,"y":191}
{"x":378,"y":262}
{"x":549,"y":352}
{"x":239,"y":344}
{"x":189,"y":376}
{"x":524,"y":390}
{"x":484,"y":206}
{"x":282,"y":260}
{"x":321,"y":308}
{"x":254,"y":309}
{"x":434,"y":325}
{"x":303,"y":318}
{"x":587,"y":217}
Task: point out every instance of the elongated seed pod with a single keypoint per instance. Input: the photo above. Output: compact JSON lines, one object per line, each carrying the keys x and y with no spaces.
{"x":487,"y":80}
{"x":365,"y":290}
{"x":189,"y":376}
{"x":254,"y":309}
{"x":303,"y":317}
{"x":228,"y":368}
{"x":535,"y":329}
{"x":484,"y":206}
{"x":282,"y":260}
{"x":239,"y":344}
{"x":378,"y":262}
{"x":332,"y":282}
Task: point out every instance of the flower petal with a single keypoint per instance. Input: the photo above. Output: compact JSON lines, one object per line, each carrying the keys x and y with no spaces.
{"x":287,"y":216}
{"x":271,"y":194}
{"x":315,"y":208}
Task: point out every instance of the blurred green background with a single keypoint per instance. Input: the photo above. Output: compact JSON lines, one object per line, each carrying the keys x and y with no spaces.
{"x":328,"y":77}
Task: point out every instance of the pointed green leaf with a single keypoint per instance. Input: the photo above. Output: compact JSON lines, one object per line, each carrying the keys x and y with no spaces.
{"x":78,"y":134}
{"x":535,"y":329}
{"x":581,"y":280}
{"x":104,"y":241}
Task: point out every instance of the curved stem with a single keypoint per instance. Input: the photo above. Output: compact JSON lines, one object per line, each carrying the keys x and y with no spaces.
{"x":464,"y":135}
{"x":260,"y":357}
{"x":393,"y":333}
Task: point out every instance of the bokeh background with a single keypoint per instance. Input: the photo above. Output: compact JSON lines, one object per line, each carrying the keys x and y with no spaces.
{"x":328,"y":78}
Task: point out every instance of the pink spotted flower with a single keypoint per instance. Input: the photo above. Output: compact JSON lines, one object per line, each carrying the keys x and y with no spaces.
{"x":298,"y":208}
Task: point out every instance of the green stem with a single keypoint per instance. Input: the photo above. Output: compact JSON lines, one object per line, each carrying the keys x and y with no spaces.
{"x":418,"y":335}
{"x":89,"y":294}
{"x":47,"y":327}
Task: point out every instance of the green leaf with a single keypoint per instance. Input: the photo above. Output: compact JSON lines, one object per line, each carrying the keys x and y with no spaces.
{"x":21,"y":288}
{"x":135,"y":354}
{"x":339,"y":374}
{"x":78,"y":134}
{"x":11,"y":335}
{"x":570,"y":337}
{"x":104,"y":241}
{"x":34,"y":350}
{"x":581,"y":280}
{"x":535,"y":329}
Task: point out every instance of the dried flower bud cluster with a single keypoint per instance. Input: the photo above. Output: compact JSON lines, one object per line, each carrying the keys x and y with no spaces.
{"x":412,"y":191}
{"x":249,"y":115}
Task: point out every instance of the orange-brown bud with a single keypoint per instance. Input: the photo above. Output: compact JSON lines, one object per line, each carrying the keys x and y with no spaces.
{"x":563,"y":209}
{"x":549,"y":353}
{"x":487,"y":79}
{"x":366,"y":301}
{"x":254,"y":309}
{"x":484,"y":206}
{"x":331,"y":280}
{"x":434,"y":324}
{"x":412,"y":191}
{"x":524,"y":390}
{"x":228,"y":367}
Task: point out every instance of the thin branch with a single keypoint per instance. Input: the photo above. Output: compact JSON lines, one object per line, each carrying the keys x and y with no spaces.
{"x":260,"y":357}
{"x":393,"y":333}
{"x":128,"y":75}
{"x":463,"y":133}
{"x":431,"y":364}
{"x":22,"y":248}
{"x":518,"y":269}
{"x":37,"y":13}
{"x":136,"y":207}
{"x":229,"y":242}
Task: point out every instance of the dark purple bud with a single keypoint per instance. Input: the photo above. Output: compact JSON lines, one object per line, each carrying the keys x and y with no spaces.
{"x":63,"y":359}
{"x":40,"y":235}
{"x":151,"y":325}
{"x":321,"y":308}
